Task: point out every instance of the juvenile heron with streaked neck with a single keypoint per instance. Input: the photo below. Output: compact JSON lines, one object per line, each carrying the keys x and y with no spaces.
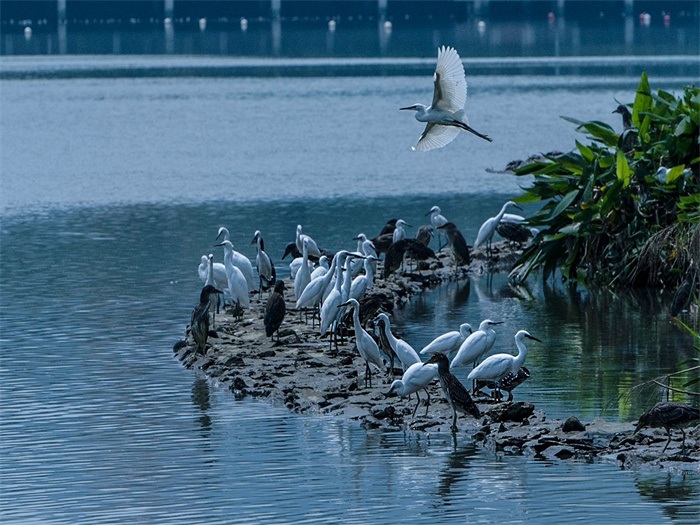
{"x":457,"y":396}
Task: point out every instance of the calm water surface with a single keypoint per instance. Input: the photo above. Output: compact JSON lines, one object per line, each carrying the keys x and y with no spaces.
{"x":113,"y":189}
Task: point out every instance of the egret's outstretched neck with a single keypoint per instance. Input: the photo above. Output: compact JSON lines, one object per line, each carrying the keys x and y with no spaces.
{"x":338,"y":276}
{"x":502,"y":212}
{"x":387,"y":332}
{"x":369,"y":273}
{"x":356,"y":319}
{"x":522,"y":353}
{"x":210,"y":277}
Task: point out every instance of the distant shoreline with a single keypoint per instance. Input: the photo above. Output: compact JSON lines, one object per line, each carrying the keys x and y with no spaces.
{"x":154,"y":66}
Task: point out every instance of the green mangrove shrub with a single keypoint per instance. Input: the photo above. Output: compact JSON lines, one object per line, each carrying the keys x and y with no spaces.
{"x":623,"y":209}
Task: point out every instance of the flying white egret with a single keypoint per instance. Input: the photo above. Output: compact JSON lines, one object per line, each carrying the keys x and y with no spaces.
{"x":399,"y":232}
{"x":266,"y":270}
{"x":446,"y":115}
{"x":499,"y":365}
{"x":476,"y":345}
{"x":365,"y":343}
{"x":239,"y":260}
{"x":237,"y":284}
{"x":448,"y":342}
{"x":303,"y":276}
{"x":489,"y":227}
{"x":405,"y":352}
{"x":313,"y":247}
{"x":417,"y":377}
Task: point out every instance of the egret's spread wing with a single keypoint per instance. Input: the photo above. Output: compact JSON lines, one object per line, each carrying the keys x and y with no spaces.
{"x":436,"y":136}
{"x":450,"y":85}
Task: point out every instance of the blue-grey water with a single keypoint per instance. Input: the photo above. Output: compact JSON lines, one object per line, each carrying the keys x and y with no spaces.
{"x":113,"y":188}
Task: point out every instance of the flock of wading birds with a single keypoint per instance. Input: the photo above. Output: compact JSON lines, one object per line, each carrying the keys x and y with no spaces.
{"x":329,"y":283}
{"x":327,"y":288}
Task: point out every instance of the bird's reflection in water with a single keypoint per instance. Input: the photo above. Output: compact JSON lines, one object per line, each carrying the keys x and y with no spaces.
{"x":455,"y":468}
{"x":460,"y":294}
{"x":200,"y":398}
{"x":672,"y":492}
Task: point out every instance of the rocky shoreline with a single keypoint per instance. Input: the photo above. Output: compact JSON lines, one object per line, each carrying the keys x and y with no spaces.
{"x":303,"y":373}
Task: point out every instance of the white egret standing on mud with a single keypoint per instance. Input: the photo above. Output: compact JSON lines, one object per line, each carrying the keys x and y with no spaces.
{"x":437,"y":220}
{"x":476,"y":344}
{"x":417,"y":377}
{"x":500,"y":365}
{"x":448,"y":342}
{"x":489,"y":227}
{"x":239,"y":260}
{"x":446,"y":115}
{"x":365,"y":343}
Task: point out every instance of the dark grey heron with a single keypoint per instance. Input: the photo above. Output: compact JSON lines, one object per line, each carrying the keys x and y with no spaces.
{"x":457,"y":396}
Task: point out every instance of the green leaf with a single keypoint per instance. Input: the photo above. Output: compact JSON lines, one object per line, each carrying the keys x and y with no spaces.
{"x":623,"y":169}
{"x":684,"y":127}
{"x":586,"y":152}
{"x":563,"y":204}
{"x":571,"y":229}
{"x":674,"y":173}
{"x":600,"y":131}
{"x":527,"y":197}
{"x":572,"y":120}
{"x":644,"y":127}
{"x":642,"y":101}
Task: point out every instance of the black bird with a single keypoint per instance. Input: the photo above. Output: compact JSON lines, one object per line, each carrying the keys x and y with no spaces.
{"x":514,"y":232}
{"x":394,"y":257}
{"x":685,"y":292}
{"x":291,"y":249}
{"x":507,"y":383}
{"x":275,"y":308}
{"x":669,"y":415}
{"x":628,"y":137}
{"x":456,"y":241}
{"x":199,"y":324}
{"x":457,"y":396}
{"x":418,"y":251}
{"x":389,"y":227}
{"x":382,"y":242}
{"x":424,"y":234}
{"x":384,"y":344}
